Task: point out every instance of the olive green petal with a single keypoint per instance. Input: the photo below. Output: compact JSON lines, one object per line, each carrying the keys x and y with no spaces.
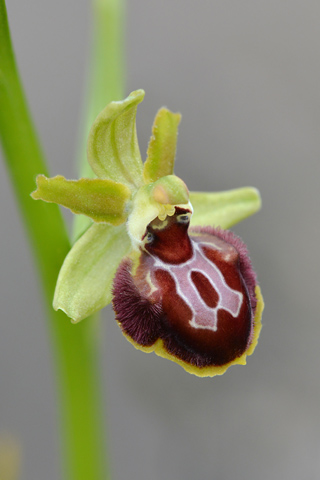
{"x":162,"y":146}
{"x":113,"y":150}
{"x":224,"y":209}
{"x":85,"y":280}
{"x":102,"y":200}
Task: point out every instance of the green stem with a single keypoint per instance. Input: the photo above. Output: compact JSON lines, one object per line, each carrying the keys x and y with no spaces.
{"x":74,"y":346}
{"x":106,"y":77}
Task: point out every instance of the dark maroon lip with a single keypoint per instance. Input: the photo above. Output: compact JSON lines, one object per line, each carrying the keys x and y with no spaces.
{"x":171,"y":244}
{"x":196,"y":293}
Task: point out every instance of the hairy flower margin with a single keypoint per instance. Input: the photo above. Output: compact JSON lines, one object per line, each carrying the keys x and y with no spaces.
{"x":189,"y":295}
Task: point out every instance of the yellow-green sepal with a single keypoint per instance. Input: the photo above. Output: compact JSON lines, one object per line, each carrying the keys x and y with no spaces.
{"x":162,"y":146}
{"x":85,"y":280}
{"x":224,"y":209}
{"x":101,"y":200}
{"x":113,"y":149}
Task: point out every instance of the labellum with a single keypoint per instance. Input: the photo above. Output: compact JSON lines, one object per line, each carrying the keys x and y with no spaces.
{"x":189,"y":296}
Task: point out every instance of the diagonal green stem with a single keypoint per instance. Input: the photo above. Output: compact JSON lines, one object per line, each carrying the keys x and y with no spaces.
{"x":74,"y":345}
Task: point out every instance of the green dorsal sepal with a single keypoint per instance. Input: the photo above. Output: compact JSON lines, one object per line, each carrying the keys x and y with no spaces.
{"x":113,"y":150}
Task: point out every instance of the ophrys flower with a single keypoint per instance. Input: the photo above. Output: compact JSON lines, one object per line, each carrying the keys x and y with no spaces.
{"x":191,"y":298}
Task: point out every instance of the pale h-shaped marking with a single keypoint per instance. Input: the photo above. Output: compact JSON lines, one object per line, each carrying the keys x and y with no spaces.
{"x":203,"y":316}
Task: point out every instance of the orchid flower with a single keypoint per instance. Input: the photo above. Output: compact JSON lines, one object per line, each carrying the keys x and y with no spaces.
{"x":188,"y":294}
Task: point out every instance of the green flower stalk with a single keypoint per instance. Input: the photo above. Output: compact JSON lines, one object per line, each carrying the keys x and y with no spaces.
{"x":75,"y":349}
{"x":188,"y":295}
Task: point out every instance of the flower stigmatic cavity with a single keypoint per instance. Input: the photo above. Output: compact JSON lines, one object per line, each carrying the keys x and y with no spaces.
{"x":188,"y":294}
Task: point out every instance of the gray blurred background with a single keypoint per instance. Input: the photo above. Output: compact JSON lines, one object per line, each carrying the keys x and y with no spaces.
{"x":245,"y":75}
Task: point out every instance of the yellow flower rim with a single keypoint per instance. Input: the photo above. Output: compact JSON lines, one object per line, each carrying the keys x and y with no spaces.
{"x":159,"y":349}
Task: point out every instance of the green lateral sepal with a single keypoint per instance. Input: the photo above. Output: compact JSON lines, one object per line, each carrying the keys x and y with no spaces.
{"x":162,"y":146}
{"x":101,"y":200}
{"x":224,"y":209}
{"x":85,"y":279}
{"x":113,"y":149}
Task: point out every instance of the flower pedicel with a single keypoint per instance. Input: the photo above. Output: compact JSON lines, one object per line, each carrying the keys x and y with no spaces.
{"x":188,"y":294}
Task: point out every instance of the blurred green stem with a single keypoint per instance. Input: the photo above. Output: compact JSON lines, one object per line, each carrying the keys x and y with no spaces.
{"x":75,"y":346}
{"x":105,"y":81}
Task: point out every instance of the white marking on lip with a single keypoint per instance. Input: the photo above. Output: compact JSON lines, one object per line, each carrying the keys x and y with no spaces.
{"x":212,"y":245}
{"x":203,"y":316}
